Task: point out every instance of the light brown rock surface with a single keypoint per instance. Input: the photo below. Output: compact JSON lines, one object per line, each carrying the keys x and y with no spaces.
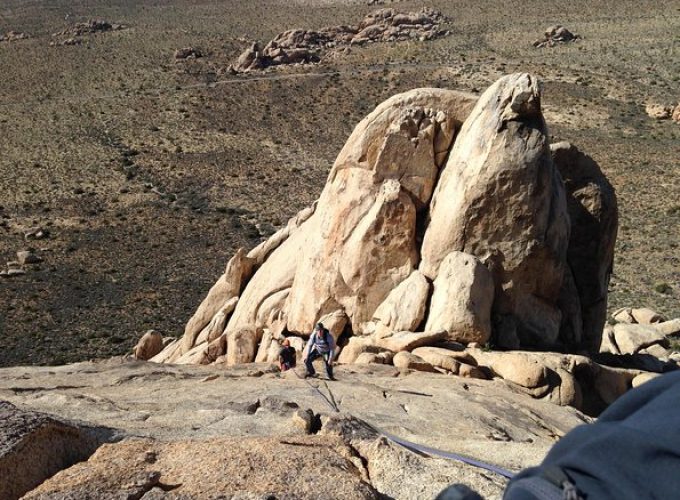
{"x":623,"y":315}
{"x":245,"y":468}
{"x":404,"y":360}
{"x":676,"y":114}
{"x":348,"y":254}
{"x":149,"y":345}
{"x":404,"y":307}
{"x":273,"y":278}
{"x":659,"y":111}
{"x":646,"y":316}
{"x":437,"y":358}
{"x":624,"y":338}
{"x":242,"y":345}
{"x":462,"y":299}
{"x":202,"y":409}
{"x":355,"y":347}
{"x":383,"y":175}
{"x":669,"y":328}
{"x":34,"y":446}
{"x":227,"y":287}
{"x":432,"y":173}
{"x":500,"y":198}
{"x":407,"y":341}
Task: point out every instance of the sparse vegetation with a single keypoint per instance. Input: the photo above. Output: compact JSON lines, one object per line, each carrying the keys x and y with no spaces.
{"x":139,"y":162}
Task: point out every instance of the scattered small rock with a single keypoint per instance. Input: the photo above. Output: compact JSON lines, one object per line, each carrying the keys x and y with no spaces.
{"x":28,"y":257}
{"x":36,"y":233}
{"x":641,"y":315}
{"x":303,"y":419}
{"x":91,"y":26}
{"x":663,"y":287}
{"x":68,"y":41}
{"x":659,"y":111}
{"x":188,"y":53}
{"x":555,"y":35}
{"x":278,"y":405}
{"x":13,"y":36}
{"x":248,"y":407}
{"x":676,"y":114}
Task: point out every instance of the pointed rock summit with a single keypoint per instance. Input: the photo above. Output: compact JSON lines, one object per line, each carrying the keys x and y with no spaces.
{"x":445,"y":218}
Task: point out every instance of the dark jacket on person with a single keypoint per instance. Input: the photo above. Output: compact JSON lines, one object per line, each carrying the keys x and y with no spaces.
{"x":287,"y":356}
{"x":631,"y":452}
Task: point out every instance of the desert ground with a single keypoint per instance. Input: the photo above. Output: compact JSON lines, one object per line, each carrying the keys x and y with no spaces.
{"x":146,"y":173}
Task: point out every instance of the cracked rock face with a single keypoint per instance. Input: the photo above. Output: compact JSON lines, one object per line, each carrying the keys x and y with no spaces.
{"x":430,"y":175}
{"x":593,"y":215}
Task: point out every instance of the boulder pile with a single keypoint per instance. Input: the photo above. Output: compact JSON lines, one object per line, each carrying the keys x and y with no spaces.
{"x":306,"y":46}
{"x":73,"y":34}
{"x":89,"y":27}
{"x":13,"y":36}
{"x":448,"y":224}
{"x":24,"y":261}
{"x":188,"y":53}
{"x":663,"y":112}
{"x":555,"y":35}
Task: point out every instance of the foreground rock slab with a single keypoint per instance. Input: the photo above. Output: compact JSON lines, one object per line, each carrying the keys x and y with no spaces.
{"x":243,"y":468}
{"x":202,"y":406}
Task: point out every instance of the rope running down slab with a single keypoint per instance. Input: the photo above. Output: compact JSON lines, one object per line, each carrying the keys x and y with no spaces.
{"x":410,"y":445}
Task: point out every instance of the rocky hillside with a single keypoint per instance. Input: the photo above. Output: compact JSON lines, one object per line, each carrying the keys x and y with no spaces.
{"x":132,"y":176}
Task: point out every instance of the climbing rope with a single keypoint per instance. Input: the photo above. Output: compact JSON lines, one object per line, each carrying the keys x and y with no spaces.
{"x":410,"y":445}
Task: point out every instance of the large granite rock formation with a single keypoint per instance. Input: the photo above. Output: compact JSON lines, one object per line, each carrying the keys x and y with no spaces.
{"x":499,"y":198}
{"x":438,"y":198}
